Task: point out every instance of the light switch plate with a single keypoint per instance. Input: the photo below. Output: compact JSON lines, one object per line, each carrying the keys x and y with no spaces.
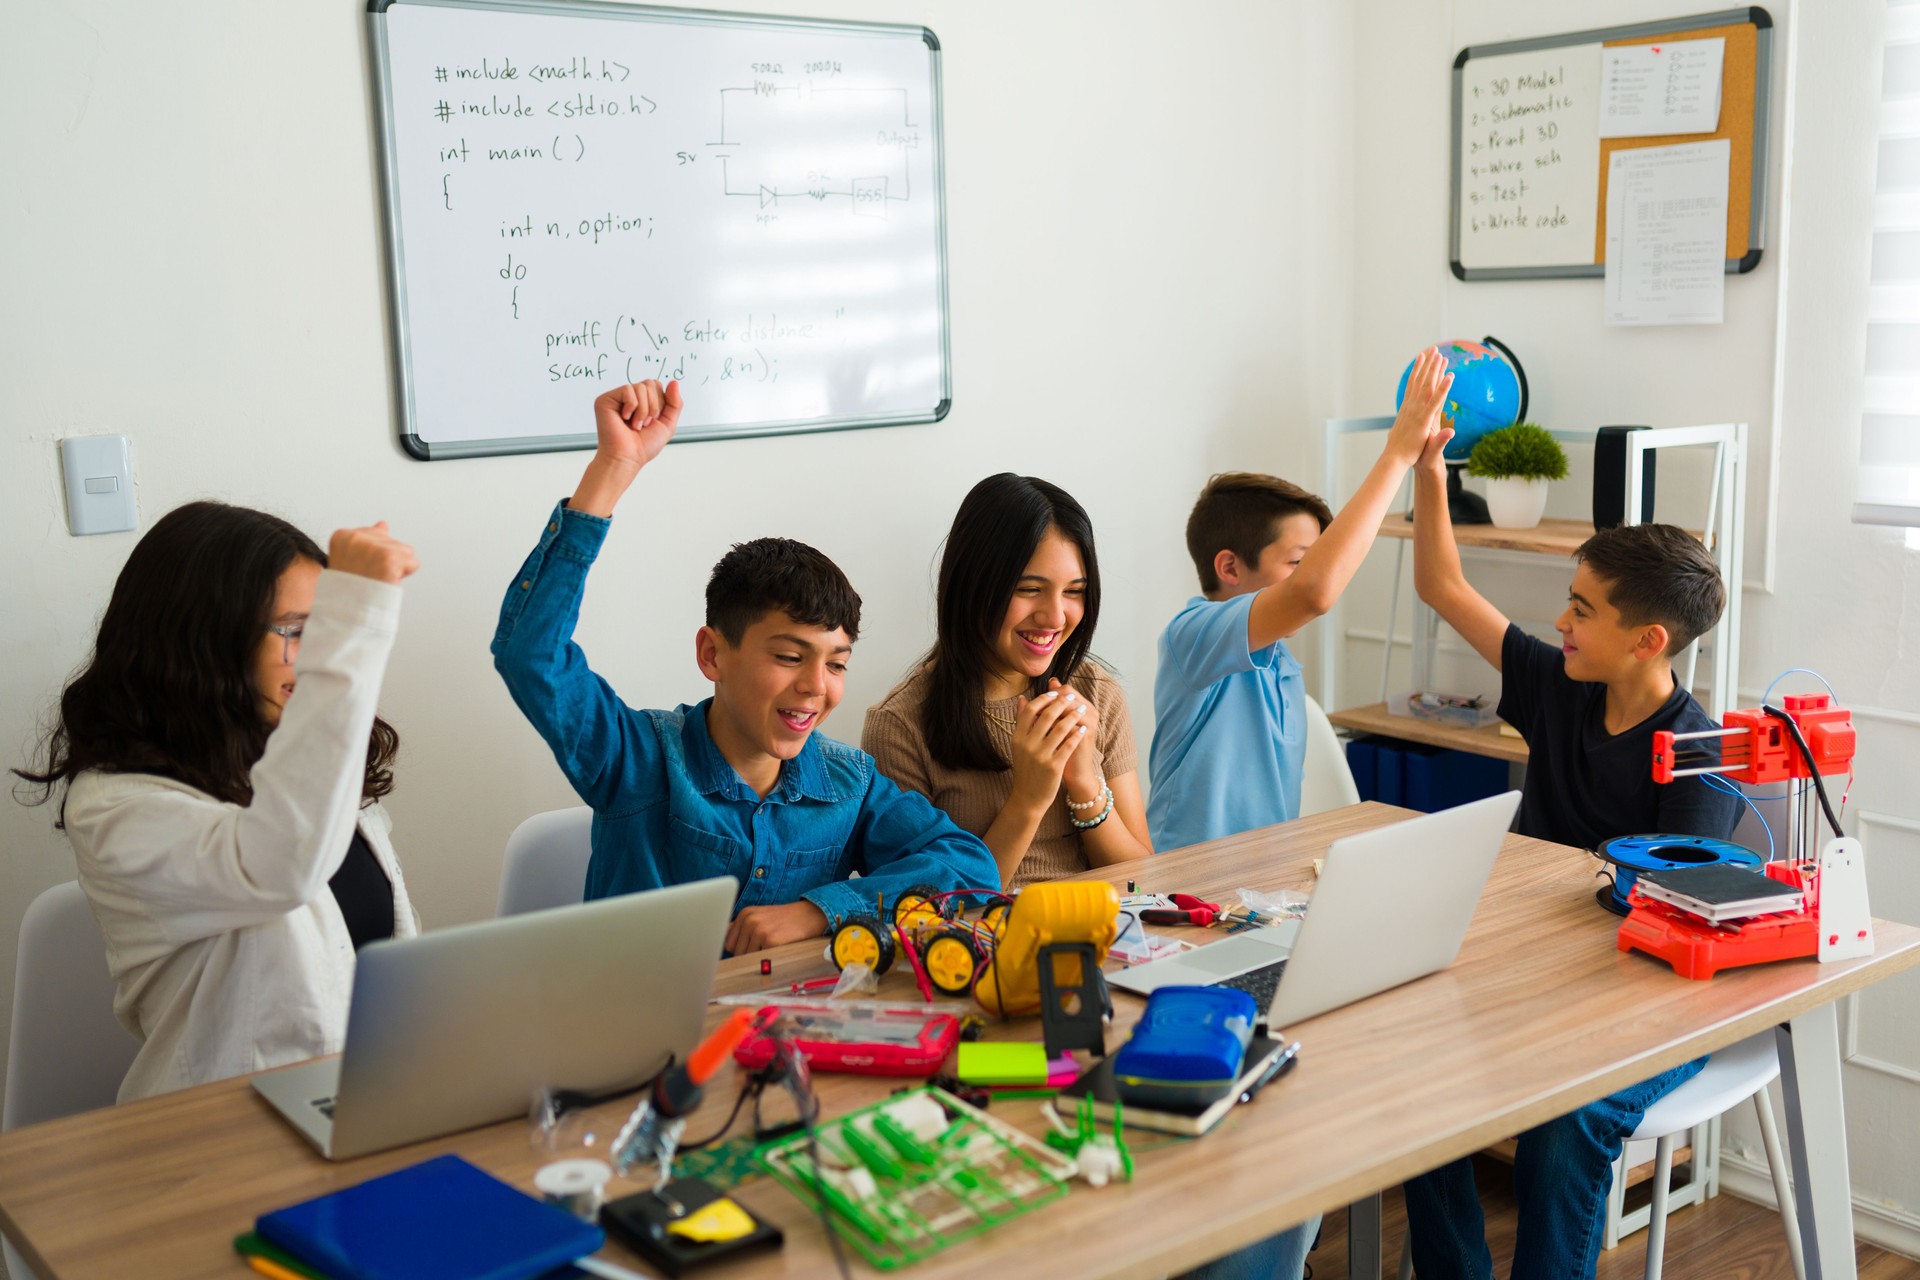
{"x":99,"y":480}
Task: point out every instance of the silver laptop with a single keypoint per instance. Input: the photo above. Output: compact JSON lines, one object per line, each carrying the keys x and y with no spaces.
{"x":459,"y":1027}
{"x":1393,"y":904}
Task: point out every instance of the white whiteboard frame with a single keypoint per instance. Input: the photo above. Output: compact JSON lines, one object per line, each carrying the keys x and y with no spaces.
{"x":434,"y":451}
{"x":1762,"y":108}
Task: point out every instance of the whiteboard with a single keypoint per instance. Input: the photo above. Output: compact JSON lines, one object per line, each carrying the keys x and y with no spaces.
{"x":583,"y":194}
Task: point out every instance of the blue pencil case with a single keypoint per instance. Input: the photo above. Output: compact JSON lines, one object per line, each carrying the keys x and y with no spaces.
{"x":1186,"y":1050}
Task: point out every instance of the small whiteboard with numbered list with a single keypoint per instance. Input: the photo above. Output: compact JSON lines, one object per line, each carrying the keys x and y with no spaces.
{"x":582,"y":194}
{"x":1530,"y":166}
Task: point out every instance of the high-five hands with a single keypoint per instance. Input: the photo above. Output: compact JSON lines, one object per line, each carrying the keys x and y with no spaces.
{"x":1431,"y":457}
{"x":1420,"y":409}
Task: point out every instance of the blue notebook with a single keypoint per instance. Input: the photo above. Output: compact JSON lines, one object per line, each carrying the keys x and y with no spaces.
{"x":439,"y":1220}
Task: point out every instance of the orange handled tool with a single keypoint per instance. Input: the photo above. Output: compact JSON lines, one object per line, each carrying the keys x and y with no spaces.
{"x":719,"y":1046}
{"x":653,"y":1130}
{"x":677,"y":1091}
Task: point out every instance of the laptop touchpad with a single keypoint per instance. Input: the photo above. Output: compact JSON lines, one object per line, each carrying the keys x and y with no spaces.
{"x":1225,"y":959}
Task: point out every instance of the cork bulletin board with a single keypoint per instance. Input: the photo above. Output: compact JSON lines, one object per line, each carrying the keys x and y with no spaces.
{"x":1529,"y":191}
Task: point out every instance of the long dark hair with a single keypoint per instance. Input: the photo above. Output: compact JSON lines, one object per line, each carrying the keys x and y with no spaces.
{"x":169,"y":689}
{"x":995,"y":533}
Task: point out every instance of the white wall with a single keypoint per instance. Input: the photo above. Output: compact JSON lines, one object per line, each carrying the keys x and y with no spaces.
{"x":192,"y":254}
{"x":1838,"y":594}
{"x":1164,"y":263}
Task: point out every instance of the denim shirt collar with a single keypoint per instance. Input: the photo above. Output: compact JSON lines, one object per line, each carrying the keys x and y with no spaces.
{"x":805,"y":777}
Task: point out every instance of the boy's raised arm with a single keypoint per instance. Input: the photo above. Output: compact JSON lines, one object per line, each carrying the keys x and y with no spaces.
{"x":591,"y":732}
{"x":1437,"y":575}
{"x":1329,"y":565}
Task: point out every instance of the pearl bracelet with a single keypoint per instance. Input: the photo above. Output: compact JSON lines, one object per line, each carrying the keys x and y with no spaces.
{"x":1077,"y":805}
{"x":1106,"y":794}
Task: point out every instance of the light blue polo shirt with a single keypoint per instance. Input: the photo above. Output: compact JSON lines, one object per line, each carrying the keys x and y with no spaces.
{"x":1230,"y":728}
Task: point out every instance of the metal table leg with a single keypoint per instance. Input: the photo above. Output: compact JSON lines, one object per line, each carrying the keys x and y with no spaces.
{"x":1817,"y":1139}
{"x":1363,"y":1238}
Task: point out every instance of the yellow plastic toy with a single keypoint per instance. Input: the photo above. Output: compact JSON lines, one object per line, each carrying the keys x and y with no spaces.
{"x":1057,"y":911}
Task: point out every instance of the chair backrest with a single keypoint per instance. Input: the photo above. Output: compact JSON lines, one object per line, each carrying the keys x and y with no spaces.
{"x":1327,"y":782}
{"x":546,"y":864}
{"x":67,"y":1053}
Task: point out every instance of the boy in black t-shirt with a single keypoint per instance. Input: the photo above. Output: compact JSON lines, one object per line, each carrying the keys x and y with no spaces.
{"x":1588,"y":712}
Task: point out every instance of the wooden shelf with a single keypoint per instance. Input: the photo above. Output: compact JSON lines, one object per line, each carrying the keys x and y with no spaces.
{"x":1548,"y":538}
{"x":1488,"y":741}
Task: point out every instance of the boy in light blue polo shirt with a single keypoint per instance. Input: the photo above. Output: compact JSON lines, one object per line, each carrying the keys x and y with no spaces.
{"x":1230,"y":731}
{"x":1229,"y":704}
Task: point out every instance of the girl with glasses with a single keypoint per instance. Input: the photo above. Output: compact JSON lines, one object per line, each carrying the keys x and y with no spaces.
{"x":228,"y":833}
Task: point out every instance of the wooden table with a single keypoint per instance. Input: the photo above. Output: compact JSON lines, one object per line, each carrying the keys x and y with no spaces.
{"x":1539,"y":1015}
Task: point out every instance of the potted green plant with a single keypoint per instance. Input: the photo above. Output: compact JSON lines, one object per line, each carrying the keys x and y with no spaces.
{"x":1517,"y":462}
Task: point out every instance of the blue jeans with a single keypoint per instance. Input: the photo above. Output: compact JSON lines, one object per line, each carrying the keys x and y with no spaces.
{"x":1561,"y":1173}
{"x":1281,"y":1257}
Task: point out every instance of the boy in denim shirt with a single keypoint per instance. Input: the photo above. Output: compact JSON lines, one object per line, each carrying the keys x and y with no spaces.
{"x":736,"y":785}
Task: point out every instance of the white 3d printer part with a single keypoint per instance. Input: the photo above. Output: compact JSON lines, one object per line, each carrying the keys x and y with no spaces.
{"x":1846,"y":927}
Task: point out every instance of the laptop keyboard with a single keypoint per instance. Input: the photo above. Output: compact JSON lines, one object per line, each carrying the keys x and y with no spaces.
{"x":324,"y":1106}
{"x":1259,"y":983}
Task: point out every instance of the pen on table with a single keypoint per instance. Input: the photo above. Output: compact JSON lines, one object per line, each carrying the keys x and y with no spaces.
{"x":272,"y":1270}
{"x":1281,"y":1064}
{"x":607,"y":1270}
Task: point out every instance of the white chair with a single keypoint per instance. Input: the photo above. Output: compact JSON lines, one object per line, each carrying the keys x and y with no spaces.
{"x":67,"y":1052}
{"x":546,"y":863}
{"x":1731,"y":1076}
{"x":1326,"y":782}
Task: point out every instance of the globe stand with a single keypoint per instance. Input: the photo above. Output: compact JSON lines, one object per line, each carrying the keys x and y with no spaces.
{"x":1463,"y":507}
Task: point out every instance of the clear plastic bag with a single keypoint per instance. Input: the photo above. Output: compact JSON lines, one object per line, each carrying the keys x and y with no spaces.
{"x":1272,"y":908}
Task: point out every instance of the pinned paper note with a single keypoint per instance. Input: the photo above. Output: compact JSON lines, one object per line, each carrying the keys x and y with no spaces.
{"x":1667,"y":234}
{"x":1529,"y":173}
{"x":1647,"y":90}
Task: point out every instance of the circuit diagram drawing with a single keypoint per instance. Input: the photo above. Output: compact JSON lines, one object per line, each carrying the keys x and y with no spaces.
{"x":813,"y":142}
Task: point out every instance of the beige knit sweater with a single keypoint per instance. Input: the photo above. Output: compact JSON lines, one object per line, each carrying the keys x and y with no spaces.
{"x":973,"y":798}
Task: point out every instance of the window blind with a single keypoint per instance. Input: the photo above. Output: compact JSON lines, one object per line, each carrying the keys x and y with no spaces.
{"x":1889,"y":485}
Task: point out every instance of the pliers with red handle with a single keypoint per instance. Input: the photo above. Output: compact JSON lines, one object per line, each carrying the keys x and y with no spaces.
{"x":1186,"y":909}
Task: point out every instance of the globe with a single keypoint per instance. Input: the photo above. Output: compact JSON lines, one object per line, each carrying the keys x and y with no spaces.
{"x":1489,"y":392}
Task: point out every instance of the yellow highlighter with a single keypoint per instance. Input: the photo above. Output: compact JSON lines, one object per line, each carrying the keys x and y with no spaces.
{"x":272,"y":1270}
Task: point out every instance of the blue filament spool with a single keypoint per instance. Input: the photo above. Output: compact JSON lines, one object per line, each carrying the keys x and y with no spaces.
{"x":1631,"y":855}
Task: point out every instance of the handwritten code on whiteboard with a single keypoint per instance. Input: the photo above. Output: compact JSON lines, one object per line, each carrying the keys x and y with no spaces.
{"x":575,"y":201}
{"x":1529,"y":158}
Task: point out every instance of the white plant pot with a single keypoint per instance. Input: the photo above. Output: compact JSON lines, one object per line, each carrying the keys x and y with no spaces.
{"x":1516,"y":503}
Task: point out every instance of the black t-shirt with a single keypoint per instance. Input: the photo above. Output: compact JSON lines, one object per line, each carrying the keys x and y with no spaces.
{"x":1586,"y":786}
{"x":364,"y":893}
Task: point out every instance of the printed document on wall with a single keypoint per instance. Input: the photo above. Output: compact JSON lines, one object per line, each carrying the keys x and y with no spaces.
{"x":1667,"y":234}
{"x":1651,"y":89}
